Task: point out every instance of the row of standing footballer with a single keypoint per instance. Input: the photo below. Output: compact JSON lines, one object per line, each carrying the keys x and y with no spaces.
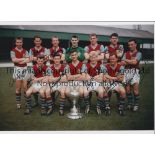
{"x":103,"y":69}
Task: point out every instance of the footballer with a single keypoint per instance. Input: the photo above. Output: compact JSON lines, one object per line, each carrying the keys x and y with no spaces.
{"x":34,"y":52}
{"x":20,"y":58}
{"x":57,"y":82}
{"x":56,"y":49}
{"x":114,"y":76}
{"x":94,"y":46}
{"x":39,"y":77}
{"x":114,"y":47}
{"x":131,"y":60}
{"x":93,"y":77}
{"x":75,"y":47}
{"x":75,"y":78}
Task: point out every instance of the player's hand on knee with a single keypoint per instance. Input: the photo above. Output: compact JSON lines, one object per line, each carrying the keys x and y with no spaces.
{"x":88,"y":77}
{"x":45,"y":80}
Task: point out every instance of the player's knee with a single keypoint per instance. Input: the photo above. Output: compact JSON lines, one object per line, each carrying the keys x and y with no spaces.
{"x":28,"y":93}
{"x":18,"y":90}
{"x":101,"y":94}
{"x":136,"y":92}
{"x":86,"y":93}
{"x":42,"y":93}
{"x":122,"y":93}
{"x":62,"y":92}
{"x":105,"y":94}
{"x":81,"y":92}
{"x":67,"y":92}
{"x":48,"y":91}
{"x":128,"y":90}
{"x":136,"y":89}
{"x":135,"y":86}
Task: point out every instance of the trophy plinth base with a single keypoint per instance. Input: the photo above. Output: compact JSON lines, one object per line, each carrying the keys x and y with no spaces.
{"x":74,"y":115}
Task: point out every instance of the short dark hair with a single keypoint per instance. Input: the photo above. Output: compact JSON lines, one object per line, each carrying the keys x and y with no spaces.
{"x":54,"y":37}
{"x":37,"y":36}
{"x":72,"y":51}
{"x":114,"y":35}
{"x":40,"y":56}
{"x":93,"y":35}
{"x":19,"y":38}
{"x":74,"y":36}
{"x":113,"y":54}
{"x":56,"y":55}
{"x":130,"y":40}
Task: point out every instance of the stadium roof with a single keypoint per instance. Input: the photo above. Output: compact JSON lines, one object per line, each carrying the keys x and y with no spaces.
{"x":65,"y":31}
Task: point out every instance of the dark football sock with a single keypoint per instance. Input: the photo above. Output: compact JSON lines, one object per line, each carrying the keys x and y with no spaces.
{"x":62,"y":103}
{"x":86,"y":101}
{"x":18,"y":98}
{"x":99,"y":102}
{"x":49,"y":102}
{"x":136,"y":99}
{"x":129,"y":98}
{"x":43,"y":103}
{"x":28,"y":102}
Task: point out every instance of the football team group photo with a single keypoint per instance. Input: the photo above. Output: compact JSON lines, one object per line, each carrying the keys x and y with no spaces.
{"x":77,"y":81}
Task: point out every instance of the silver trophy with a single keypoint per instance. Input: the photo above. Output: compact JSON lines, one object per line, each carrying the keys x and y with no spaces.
{"x":74,"y":113}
